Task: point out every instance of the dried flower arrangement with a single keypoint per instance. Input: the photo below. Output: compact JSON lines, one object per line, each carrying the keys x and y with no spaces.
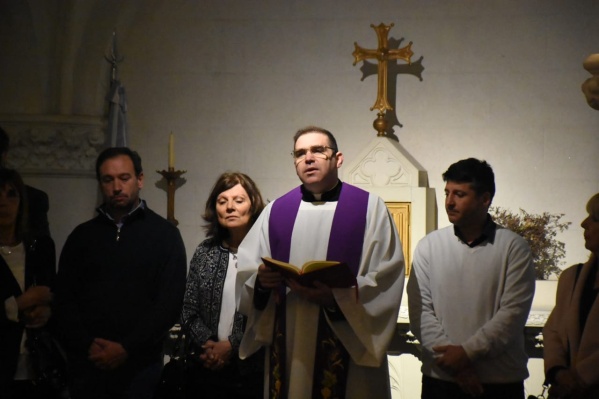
{"x":540,"y":231}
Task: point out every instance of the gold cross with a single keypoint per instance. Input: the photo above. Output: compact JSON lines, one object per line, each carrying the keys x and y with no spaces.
{"x":382,"y":54}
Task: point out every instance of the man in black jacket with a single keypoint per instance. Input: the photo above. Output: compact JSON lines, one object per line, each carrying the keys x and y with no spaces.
{"x":119,"y":288}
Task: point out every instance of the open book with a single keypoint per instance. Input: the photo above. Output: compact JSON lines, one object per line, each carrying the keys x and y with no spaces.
{"x":331,"y":273}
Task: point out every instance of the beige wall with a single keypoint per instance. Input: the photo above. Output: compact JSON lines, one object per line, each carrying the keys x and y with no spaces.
{"x":234,"y":79}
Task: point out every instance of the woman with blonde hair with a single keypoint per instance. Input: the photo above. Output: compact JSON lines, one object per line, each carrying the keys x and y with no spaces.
{"x":571,"y":334}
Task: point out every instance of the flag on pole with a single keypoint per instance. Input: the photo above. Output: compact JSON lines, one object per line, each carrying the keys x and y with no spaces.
{"x":117,"y":115}
{"x":117,"y":103}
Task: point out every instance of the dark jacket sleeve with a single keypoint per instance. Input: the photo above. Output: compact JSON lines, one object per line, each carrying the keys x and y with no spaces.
{"x":196,"y":307}
{"x":41,"y":261}
{"x":10,"y":331}
{"x":67,"y":324}
{"x":40,"y":268}
{"x":159,"y":318}
{"x":38,"y":204}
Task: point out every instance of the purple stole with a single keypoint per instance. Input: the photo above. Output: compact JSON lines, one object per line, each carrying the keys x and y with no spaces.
{"x":345,"y":244}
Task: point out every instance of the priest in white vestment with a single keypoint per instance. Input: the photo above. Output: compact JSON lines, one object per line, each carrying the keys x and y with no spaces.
{"x":322,"y":219}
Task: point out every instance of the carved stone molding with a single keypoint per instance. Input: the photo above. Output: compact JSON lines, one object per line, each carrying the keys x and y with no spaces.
{"x":54,"y":144}
{"x":380,"y":168}
{"x":384,"y":163}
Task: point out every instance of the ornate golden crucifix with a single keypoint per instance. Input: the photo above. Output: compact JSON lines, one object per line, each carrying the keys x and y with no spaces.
{"x":382,"y":54}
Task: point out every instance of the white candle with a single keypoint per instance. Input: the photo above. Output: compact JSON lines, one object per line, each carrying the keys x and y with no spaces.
{"x":171,"y":151}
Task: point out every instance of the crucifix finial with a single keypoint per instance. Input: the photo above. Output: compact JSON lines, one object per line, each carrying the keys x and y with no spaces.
{"x":382,"y":54}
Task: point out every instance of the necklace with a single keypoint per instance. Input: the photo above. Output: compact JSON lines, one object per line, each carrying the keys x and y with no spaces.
{"x":7,"y":247}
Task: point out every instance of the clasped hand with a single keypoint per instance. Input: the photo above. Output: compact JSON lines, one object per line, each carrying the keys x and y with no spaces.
{"x":37,"y":316}
{"x":107,"y":355}
{"x":454,"y":361}
{"x":319,"y":294}
{"x":216,"y":354}
{"x":34,"y":305}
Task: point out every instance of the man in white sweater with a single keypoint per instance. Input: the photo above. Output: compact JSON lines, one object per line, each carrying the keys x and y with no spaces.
{"x":469,"y":294}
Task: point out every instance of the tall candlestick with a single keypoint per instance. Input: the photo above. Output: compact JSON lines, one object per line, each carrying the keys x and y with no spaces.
{"x":171,"y":177}
{"x":171,"y":151}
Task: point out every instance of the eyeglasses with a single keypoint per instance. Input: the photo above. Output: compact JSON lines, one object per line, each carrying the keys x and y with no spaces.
{"x":318,"y":151}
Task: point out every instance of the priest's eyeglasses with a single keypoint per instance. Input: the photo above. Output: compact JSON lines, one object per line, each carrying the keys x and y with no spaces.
{"x":318,"y":151}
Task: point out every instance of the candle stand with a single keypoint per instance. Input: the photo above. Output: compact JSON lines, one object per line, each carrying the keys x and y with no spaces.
{"x":171,"y":175}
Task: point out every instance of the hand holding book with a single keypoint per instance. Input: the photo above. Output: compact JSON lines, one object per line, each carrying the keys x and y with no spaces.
{"x":331,"y":273}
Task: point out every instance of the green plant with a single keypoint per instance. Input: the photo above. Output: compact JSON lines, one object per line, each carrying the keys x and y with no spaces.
{"x":540,"y":231}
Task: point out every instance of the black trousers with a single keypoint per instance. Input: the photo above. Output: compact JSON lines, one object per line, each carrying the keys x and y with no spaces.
{"x":129,"y":381}
{"x":26,"y":389}
{"x":433,"y":388}
{"x":227,"y":383}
